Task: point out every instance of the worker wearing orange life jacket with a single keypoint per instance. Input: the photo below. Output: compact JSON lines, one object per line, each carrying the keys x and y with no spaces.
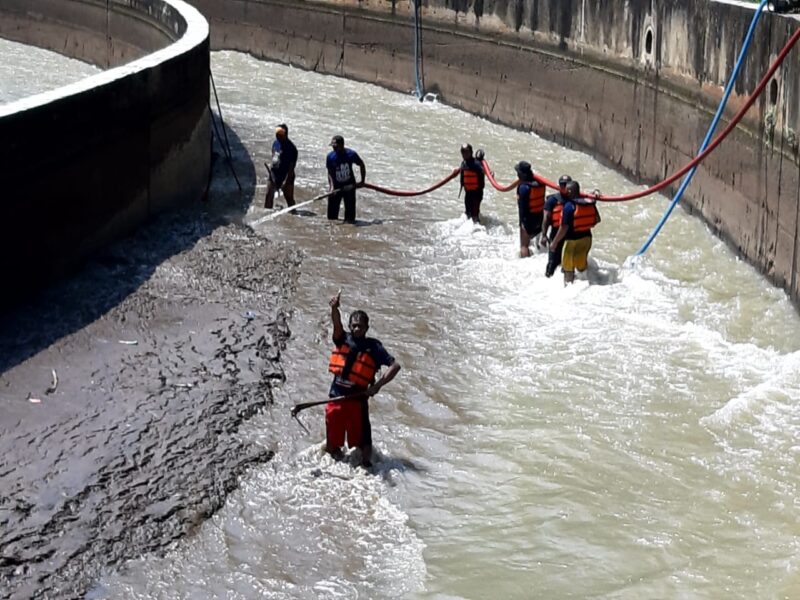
{"x":473,"y":180}
{"x":551,"y":221}
{"x":354,"y":362}
{"x":578,"y":217}
{"x":530,"y":204}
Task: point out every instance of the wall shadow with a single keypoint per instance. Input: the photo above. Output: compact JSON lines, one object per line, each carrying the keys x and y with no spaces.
{"x":115,"y":272}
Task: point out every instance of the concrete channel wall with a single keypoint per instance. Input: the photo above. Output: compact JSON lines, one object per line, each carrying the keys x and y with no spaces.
{"x":89,"y":162}
{"x":635,"y":82}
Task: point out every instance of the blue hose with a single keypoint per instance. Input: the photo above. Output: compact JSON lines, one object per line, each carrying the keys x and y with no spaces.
{"x":728,"y":89}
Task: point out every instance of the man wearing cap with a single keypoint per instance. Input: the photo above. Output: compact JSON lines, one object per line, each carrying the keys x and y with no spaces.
{"x":342,"y":180}
{"x":552,"y":221}
{"x":530,"y":202}
{"x":281,"y":171}
{"x":578,"y":217}
{"x":473,"y":180}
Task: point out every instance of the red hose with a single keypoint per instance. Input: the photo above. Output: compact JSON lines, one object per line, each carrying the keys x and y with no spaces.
{"x":392,"y":192}
{"x":689,"y":166}
{"x":717,"y":140}
{"x":490,"y":176}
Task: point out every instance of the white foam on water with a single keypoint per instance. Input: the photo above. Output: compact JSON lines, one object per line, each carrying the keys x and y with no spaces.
{"x":295,"y":507}
{"x":608,"y":429}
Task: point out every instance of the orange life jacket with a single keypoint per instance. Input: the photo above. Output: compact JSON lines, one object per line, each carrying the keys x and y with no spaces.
{"x":471,"y":180}
{"x":585,"y":217}
{"x":536,"y":199}
{"x":363,"y":370}
{"x":555,"y":216}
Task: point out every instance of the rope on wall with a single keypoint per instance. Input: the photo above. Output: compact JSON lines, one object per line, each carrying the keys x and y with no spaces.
{"x":419,"y":89}
{"x":226,"y":146}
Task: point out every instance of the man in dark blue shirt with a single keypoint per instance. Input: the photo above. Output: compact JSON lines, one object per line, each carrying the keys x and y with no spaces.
{"x":473,"y":180}
{"x":552,"y":220}
{"x":354,"y":362}
{"x":342,"y":180}
{"x":530,"y":204}
{"x":281,"y":171}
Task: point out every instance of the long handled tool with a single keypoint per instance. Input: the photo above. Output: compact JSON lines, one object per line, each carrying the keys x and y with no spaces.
{"x":288,"y":209}
{"x":304,"y":405}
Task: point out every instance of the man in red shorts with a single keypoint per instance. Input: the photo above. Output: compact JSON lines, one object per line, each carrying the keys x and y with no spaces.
{"x":354,"y":362}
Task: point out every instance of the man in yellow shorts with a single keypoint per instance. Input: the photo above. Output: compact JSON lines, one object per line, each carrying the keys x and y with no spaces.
{"x":578,"y":216}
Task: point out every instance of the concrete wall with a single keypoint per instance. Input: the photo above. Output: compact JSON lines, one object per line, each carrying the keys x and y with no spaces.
{"x":89,"y":162}
{"x":578,"y":72}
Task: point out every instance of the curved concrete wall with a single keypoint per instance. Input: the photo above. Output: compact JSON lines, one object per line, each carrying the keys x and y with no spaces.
{"x":584,"y":73}
{"x":89,"y":162}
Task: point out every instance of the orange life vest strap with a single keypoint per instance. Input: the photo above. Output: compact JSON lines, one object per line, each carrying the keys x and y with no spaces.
{"x":555,"y":216}
{"x":471,"y":180}
{"x":362,"y":372}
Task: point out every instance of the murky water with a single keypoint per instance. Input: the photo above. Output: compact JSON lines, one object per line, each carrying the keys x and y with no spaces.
{"x":28,"y":70}
{"x":632,"y":436}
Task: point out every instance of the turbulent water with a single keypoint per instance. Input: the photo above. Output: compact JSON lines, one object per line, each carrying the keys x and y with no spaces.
{"x":27,"y":70}
{"x":631,"y":436}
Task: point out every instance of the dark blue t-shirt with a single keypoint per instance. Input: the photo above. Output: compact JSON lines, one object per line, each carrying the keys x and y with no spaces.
{"x":371,"y":346}
{"x":340,"y":167}
{"x":284,"y":156}
{"x":551,"y":201}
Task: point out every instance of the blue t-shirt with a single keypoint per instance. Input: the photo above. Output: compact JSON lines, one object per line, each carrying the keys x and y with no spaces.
{"x":371,"y":346}
{"x":340,"y":167}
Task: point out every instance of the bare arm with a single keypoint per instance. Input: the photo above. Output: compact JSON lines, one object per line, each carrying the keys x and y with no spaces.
{"x":336,"y":318}
{"x":390,"y":374}
{"x":363,"y":168}
{"x":545,"y":225}
{"x":562,"y":233}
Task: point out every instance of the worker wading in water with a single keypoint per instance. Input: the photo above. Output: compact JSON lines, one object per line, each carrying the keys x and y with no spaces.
{"x":552,"y":221}
{"x":530,"y":202}
{"x":354,"y":362}
{"x":578,"y":216}
{"x":342,"y":180}
{"x":473,"y":180}
{"x":281,"y":170}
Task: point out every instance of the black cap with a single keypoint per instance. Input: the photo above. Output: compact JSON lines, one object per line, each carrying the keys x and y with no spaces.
{"x":564,"y":180}
{"x":523,"y":167}
{"x":337,"y":140}
{"x":285,"y":127}
{"x":466,"y":148}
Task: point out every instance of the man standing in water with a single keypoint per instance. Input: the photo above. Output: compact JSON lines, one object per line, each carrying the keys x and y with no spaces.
{"x":552,"y":221}
{"x":342,"y":180}
{"x":354,"y":362}
{"x":578,"y":216}
{"x":473,"y":180}
{"x":281,"y":171}
{"x":530,"y":203}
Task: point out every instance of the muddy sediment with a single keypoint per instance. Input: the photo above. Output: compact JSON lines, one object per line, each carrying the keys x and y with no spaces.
{"x":161,"y":348}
